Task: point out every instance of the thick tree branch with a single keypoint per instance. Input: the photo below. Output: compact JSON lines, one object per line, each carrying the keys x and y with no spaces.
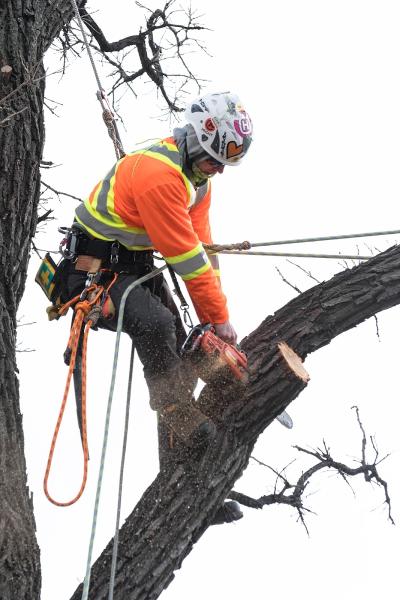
{"x":179,"y":506}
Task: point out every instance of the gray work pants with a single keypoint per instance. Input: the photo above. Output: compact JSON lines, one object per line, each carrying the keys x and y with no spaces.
{"x":152,"y":320}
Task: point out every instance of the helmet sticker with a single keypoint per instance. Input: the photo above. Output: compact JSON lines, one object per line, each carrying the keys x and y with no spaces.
{"x":215,"y":143}
{"x":210,"y":125}
{"x":243,"y":126}
{"x":233,"y":149}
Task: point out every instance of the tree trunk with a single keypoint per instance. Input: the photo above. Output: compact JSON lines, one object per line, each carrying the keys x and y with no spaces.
{"x":26,"y":31}
{"x":179,"y":505}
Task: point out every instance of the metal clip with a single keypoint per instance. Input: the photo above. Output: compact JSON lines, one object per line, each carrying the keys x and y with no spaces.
{"x":68,"y":245}
{"x":92,"y":278}
{"x":187,"y":319}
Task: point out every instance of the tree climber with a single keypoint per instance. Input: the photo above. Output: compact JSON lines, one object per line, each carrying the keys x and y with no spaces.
{"x":158,"y":199}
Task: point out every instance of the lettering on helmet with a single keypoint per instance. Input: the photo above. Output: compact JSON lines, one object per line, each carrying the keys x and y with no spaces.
{"x":243,"y":126}
{"x":203,"y":104}
{"x":233,"y":149}
{"x":223,"y":143}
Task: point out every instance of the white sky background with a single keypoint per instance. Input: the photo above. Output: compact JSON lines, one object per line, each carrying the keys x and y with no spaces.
{"x":321,"y":82}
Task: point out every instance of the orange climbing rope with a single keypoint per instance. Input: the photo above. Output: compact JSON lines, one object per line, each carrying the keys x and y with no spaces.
{"x":87,"y":308}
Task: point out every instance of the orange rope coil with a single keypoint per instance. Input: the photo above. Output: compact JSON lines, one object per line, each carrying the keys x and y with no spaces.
{"x":87,"y":313}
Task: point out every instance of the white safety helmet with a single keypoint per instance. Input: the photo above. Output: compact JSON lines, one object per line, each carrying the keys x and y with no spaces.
{"x":223,"y":127}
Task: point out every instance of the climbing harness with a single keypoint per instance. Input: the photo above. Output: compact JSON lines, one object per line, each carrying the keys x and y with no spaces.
{"x":88,"y":308}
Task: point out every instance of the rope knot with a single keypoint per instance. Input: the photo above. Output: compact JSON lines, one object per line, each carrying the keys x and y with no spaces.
{"x":244,"y":245}
{"x":84,"y":306}
{"x":94,"y":314}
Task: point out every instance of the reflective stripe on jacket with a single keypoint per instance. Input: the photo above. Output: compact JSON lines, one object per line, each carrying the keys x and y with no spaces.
{"x":146,"y":201}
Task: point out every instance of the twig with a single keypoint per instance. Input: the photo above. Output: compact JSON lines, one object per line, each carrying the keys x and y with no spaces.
{"x":294,"y":287}
{"x":49,"y":187}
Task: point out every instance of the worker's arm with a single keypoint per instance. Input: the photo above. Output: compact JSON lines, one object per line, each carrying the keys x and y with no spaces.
{"x":163,"y":209}
{"x":199,"y":215}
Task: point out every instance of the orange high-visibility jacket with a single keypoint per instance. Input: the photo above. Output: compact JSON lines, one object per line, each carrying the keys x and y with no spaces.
{"x":146,"y":201}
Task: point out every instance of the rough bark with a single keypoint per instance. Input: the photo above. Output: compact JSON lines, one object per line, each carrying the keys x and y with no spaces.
{"x":26,"y":30}
{"x":178,"y":507}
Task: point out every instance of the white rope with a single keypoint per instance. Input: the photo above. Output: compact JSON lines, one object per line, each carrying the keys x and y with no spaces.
{"x":85,"y":41}
{"x":326,"y":238}
{"x":108,"y":116}
{"x":86,"y":583}
{"x":121,"y":480}
{"x":293,"y":254}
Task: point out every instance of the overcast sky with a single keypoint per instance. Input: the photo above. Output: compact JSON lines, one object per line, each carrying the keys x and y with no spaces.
{"x":321,"y":82}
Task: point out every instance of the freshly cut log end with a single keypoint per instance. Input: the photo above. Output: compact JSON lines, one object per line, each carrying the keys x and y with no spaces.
{"x":293,"y":361}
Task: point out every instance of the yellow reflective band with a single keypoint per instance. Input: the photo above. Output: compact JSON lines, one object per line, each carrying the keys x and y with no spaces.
{"x":173,"y":260}
{"x":92,"y":232}
{"x":110,"y":202}
{"x":161,"y":157}
{"x":196,"y":273}
{"x":96,"y":195}
{"x":158,"y":156}
{"x":110,"y":222}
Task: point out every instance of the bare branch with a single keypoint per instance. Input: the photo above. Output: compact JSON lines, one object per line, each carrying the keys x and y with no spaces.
{"x":325,"y":461}
{"x":47,"y":164}
{"x":163,"y":41}
{"x":58,"y":193}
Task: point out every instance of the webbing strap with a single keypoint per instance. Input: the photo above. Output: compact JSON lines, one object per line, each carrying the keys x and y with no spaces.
{"x":184,"y":306}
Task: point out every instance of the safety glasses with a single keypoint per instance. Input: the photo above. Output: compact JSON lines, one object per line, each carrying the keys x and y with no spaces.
{"x":214,"y":162}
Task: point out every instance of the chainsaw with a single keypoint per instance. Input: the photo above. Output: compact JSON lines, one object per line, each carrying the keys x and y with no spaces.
{"x":213,"y":358}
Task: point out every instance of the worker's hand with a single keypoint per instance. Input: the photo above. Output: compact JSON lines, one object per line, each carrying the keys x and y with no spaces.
{"x":226,"y":332}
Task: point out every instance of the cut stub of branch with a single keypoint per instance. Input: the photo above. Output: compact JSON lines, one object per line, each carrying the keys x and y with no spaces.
{"x":293,"y":362}
{"x":5,"y":73}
